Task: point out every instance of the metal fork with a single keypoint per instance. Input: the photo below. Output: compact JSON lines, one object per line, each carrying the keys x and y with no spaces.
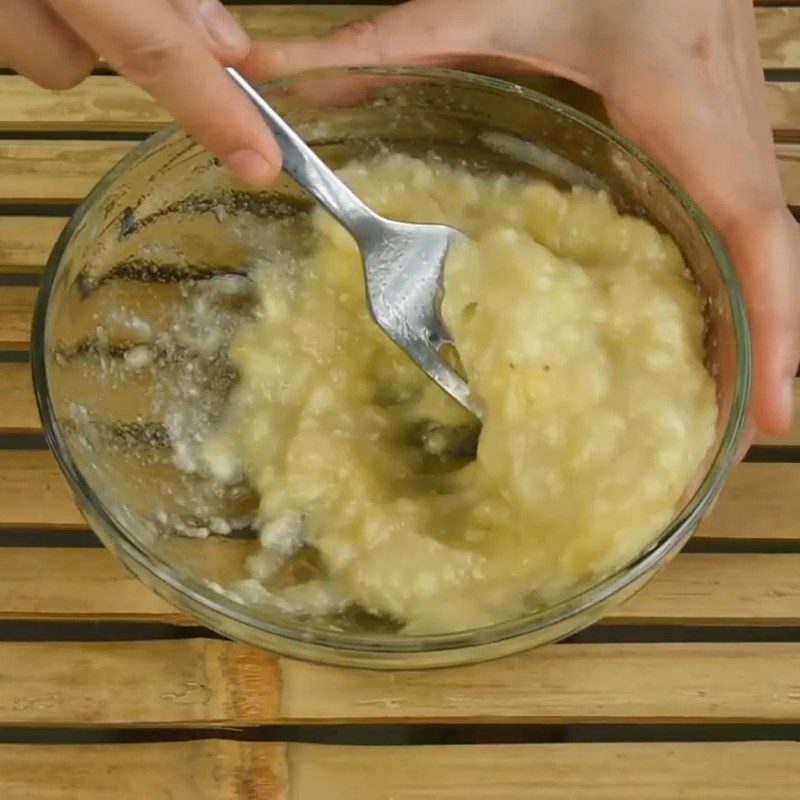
{"x":402,"y":261}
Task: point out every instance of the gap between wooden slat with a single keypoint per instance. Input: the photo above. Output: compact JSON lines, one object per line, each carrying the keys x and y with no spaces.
{"x":215,"y":683}
{"x":224,"y":770}
{"x":88,"y":584}
{"x":109,"y":103}
{"x":759,"y":501}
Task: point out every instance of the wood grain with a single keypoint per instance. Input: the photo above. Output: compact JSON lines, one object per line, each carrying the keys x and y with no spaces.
{"x":75,"y":583}
{"x":26,"y":242}
{"x":33,"y":494}
{"x":226,"y":770}
{"x":577,"y":683}
{"x":713,"y":589}
{"x":54,"y":171}
{"x":759,"y":502}
{"x":186,"y":682}
{"x":17,"y":407}
{"x":212,"y":683}
{"x":717,"y":589}
{"x":16,"y":312}
{"x":201,"y":770}
{"x":209,"y":683}
{"x":574,"y":771}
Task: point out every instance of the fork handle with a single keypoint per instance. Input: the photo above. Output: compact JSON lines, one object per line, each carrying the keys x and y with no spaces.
{"x":305,"y":166}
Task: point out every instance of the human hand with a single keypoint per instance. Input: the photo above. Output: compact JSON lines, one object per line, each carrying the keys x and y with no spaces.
{"x":681,"y":79}
{"x":174,"y":49}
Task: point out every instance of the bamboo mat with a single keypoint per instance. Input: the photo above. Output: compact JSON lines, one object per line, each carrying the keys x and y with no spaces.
{"x":691,"y":690}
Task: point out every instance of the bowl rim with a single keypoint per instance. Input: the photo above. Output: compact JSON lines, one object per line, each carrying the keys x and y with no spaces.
{"x":392,"y":645}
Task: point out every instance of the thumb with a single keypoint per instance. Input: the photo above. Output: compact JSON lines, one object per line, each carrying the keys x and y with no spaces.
{"x":766,"y":252}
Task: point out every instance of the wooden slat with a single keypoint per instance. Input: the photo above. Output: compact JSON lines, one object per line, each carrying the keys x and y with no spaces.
{"x":64,"y":171}
{"x":574,"y":771}
{"x":581,"y":683}
{"x":79,"y":583}
{"x":713,"y":589}
{"x":760,"y":501}
{"x":229,"y":770}
{"x":16,"y":311}
{"x":100,"y":103}
{"x":33,"y":494}
{"x":201,"y":770}
{"x":17,"y":407}
{"x":173,"y":682}
{"x":40,"y":172}
{"x":212,"y":683}
{"x":717,"y":589}
{"x":25,"y":242}
{"x":109,"y":103}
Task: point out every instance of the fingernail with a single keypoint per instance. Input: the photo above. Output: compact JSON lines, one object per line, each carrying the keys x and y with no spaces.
{"x":250,"y":166}
{"x":222,"y":25}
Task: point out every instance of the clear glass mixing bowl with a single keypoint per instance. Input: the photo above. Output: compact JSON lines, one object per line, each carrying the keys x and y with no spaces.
{"x":149,"y":278}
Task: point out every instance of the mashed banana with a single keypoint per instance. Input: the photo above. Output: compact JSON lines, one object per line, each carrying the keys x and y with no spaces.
{"x":582,"y":337}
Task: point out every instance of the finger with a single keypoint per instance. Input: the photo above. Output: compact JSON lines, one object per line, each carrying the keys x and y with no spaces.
{"x":150,"y":43}
{"x":723,"y":155}
{"x":38,"y":45}
{"x":766,"y":252}
{"x":420,"y":32}
{"x":222,"y":32}
{"x":467,"y":33}
{"x":432,"y":32}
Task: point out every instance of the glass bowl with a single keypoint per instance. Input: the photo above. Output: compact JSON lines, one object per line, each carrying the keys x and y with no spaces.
{"x":149,"y":278}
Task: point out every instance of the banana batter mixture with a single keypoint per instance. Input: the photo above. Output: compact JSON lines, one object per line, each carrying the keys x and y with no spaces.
{"x":581,"y":335}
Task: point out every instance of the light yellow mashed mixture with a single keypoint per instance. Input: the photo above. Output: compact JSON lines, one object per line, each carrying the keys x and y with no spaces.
{"x":581,"y":335}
